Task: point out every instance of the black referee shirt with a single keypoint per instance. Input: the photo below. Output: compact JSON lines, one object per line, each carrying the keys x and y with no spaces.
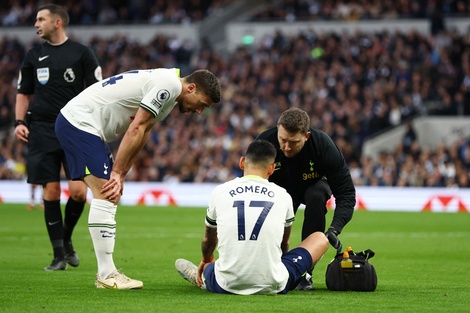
{"x":56,"y":74}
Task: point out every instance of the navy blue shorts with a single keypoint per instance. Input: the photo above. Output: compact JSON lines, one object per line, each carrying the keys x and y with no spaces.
{"x":297,"y":261}
{"x":210,"y":282}
{"x":86,"y":153}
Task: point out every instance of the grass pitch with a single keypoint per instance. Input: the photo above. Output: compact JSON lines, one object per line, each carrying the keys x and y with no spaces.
{"x":421,"y":261}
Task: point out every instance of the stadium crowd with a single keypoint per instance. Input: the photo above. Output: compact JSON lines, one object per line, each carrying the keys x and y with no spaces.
{"x":302,"y":10}
{"x":353,"y":85}
{"x":107,"y":12}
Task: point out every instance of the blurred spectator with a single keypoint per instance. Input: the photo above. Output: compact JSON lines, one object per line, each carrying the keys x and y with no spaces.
{"x":409,"y":138}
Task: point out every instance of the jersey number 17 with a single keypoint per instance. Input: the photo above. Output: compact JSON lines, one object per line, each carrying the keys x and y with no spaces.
{"x":240,"y":205}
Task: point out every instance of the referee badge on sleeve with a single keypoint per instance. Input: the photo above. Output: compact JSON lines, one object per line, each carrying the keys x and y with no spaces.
{"x":43,"y":75}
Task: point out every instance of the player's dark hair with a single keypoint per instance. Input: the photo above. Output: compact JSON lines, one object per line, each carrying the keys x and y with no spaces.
{"x":206,"y":82}
{"x":57,"y":10}
{"x":261,"y":152}
{"x":294,"y":120}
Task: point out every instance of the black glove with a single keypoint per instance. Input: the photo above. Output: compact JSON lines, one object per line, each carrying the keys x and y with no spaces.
{"x":332,"y":235}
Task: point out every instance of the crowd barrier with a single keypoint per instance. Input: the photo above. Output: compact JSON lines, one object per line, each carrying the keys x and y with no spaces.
{"x":405,"y":199}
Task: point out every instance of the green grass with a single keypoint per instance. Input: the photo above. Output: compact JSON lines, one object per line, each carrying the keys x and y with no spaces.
{"x":421,"y":261}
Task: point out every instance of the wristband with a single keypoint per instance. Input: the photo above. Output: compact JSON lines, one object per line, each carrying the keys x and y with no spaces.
{"x":19,"y":122}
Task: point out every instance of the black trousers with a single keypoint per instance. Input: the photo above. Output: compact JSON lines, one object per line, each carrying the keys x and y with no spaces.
{"x":315,"y":198}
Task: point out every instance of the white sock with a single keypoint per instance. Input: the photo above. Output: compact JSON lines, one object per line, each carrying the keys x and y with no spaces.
{"x":102,"y":227}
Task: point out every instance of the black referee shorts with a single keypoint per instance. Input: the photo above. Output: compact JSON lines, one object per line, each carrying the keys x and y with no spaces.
{"x":45,"y":154}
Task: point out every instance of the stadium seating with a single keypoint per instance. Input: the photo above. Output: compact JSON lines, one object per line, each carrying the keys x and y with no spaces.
{"x":353,"y":85}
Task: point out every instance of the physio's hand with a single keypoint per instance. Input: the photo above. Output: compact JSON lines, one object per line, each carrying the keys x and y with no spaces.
{"x":332,"y":235}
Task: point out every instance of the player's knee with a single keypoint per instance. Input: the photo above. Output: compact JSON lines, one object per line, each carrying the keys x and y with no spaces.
{"x":78,"y":197}
{"x":316,"y":241}
{"x":78,"y":194}
{"x":51,"y":191}
{"x":320,"y":244}
{"x":322,"y":239}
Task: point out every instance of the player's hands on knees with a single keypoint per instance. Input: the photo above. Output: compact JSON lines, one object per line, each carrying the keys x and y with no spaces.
{"x":22,"y":132}
{"x":332,"y":235}
{"x":113,"y":188}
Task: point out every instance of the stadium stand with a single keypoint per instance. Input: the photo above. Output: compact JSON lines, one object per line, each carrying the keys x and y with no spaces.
{"x":106,"y":12}
{"x":354,"y":85}
{"x":300,"y":10}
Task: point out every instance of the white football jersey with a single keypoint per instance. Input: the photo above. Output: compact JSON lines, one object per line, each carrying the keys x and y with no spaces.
{"x":107,"y":108}
{"x":250,"y":214}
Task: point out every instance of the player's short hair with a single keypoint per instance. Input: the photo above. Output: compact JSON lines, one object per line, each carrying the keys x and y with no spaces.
{"x":206,"y":82}
{"x":261,"y":152}
{"x":57,"y":10}
{"x":294,"y":120}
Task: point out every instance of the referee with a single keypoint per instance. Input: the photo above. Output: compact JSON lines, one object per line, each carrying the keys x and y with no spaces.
{"x":54,"y":72}
{"x":311,"y":168}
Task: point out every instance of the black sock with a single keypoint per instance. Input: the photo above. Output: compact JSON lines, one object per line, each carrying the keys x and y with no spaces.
{"x":53,"y":217}
{"x":73,"y":211}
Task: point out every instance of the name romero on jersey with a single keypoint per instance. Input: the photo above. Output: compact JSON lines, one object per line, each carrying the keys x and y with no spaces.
{"x":252,"y":189}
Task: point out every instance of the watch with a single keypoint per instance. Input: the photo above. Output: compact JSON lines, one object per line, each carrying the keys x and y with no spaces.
{"x":19,"y":122}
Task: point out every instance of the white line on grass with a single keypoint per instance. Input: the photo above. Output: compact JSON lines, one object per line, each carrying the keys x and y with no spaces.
{"x":199,"y":235}
{"x":119,"y":236}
